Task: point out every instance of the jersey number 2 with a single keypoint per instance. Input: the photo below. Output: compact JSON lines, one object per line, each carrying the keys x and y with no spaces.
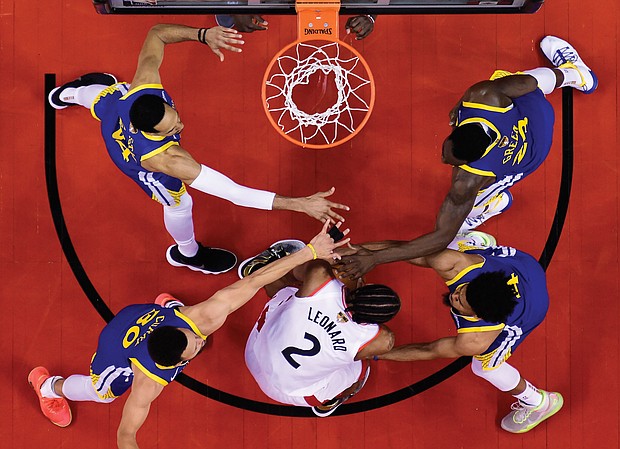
{"x":314,"y":350}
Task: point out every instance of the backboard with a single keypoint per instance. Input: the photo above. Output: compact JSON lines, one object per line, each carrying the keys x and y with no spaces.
{"x":288,"y":6}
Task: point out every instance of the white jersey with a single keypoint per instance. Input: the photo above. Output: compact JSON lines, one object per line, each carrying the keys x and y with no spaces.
{"x":306,"y":346}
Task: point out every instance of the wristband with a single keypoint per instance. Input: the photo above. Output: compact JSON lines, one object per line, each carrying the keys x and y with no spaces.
{"x":314,"y":256}
{"x":202,"y":35}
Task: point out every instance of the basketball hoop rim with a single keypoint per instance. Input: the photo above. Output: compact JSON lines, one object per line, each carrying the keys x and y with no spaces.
{"x":345,"y":139}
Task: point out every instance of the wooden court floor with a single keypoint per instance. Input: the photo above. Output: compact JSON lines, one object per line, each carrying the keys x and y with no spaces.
{"x":391,"y":177}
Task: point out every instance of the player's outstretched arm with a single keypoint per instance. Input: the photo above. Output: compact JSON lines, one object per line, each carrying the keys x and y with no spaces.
{"x":316,"y":206}
{"x":468,"y":344}
{"x":152,"y":53}
{"x":211,"y":314}
{"x":143,"y":392}
{"x":179,"y":163}
{"x":455,"y":208}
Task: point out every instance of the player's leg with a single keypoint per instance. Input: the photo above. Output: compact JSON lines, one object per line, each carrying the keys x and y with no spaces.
{"x":485,"y":207}
{"x":567,"y":61}
{"x":82,"y":91}
{"x":187,"y":252}
{"x":533,"y":405}
{"x":79,"y":388}
{"x":328,"y":407}
{"x":569,"y":71}
{"x":53,"y":405}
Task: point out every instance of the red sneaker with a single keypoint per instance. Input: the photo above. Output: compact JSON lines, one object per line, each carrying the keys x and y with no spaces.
{"x":168,"y":301}
{"x":57,"y":410}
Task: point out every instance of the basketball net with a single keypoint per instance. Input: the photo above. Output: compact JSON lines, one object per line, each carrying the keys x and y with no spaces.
{"x":318,"y":92}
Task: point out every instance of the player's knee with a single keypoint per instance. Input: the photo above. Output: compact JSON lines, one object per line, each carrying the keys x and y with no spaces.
{"x":104,"y":400}
{"x":183,"y":207}
{"x":503,"y":377}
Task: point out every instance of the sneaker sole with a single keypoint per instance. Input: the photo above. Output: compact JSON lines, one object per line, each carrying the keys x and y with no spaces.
{"x":174,"y":263}
{"x":250,"y":258}
{"x":594,"y":84}
{"x":488,"y":239}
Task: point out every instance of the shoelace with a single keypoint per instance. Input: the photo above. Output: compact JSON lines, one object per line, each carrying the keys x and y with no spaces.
{"x":563,"y":55}
{"x":54,"y":405}
{"x":522,"y":412}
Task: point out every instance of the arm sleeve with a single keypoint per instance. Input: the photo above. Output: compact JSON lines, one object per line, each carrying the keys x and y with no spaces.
{"x":215,"y":183}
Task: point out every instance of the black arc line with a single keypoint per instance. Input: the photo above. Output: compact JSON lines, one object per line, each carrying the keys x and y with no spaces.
{"x":275,"y":409}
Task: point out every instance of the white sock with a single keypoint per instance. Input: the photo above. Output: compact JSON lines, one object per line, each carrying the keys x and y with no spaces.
{"x":47,"y":387}
{"x":84,"y":96}
{"x":545,"y":77}
{"x":180,"y":225}
{"x":530,"y":396}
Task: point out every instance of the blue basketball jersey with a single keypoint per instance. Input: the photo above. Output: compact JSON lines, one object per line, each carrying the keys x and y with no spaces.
{"x":124,"y":341}
{"x":524,"y":132}
{"x":530,"y":286}
{"x":128,"y":148}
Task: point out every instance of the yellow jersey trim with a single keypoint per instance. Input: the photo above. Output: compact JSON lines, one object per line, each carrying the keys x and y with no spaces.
{"x":475,"y":171}
{"x":466,"y":330}
{"x":486,"y":107}
{"x":191,"y":324}
{"x":473,"y":319}
{"x":142,"y":87}
{"x":152,"y":136}
{"x":163,"y":367}
{"x":149,"y":374}
{"x":465,"y":271}
{"x":157,"y":151}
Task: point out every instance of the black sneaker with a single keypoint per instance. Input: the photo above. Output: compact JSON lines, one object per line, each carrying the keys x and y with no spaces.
{"x":329,"y":407}
{"x":207,"y":260}
{"x":104,"y":79}
{"x":276,"y":251}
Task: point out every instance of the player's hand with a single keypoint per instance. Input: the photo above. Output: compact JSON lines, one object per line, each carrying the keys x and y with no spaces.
{"x":319,"y":207}
{"x":361,"y":26}
{"x":223,"y":38}
{"x":248,"y":23}
{"x":324,"y":244}
{"x":356,"y":265}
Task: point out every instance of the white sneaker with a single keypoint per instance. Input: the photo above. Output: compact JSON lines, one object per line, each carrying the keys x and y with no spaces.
{"x":502,"y":202}
{"x":563,"y":55}
{"x":472,"y":240}
{"x":524,"y":418}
